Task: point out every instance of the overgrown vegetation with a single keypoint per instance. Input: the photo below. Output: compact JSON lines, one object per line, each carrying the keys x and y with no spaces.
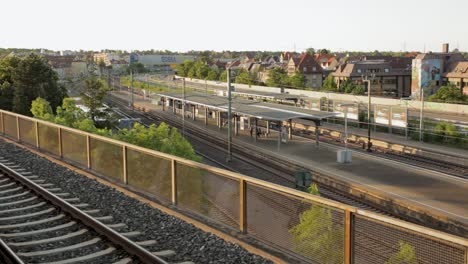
{"x":449,"y":94}
{"x":406,"y":254}
{"x":316,"y":236}
{"x":161,"y":138}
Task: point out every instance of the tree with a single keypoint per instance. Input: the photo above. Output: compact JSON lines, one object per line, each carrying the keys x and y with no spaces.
{"x":212,"y":75}
{"x":449,"y":94}
{"x":316,"y":236}
{"x":324,"y":51}
{"x":298,"y":80}
{"x":136,"y":67}
{"x":7,"y":68}
{"x":93,"y":96}
{"x":277,"y":77}
{"x":244,"y":77}
{"x":406,"y":254}
{"x":41,"y":109}
{"x":311,"y":51}
{"x":223,"y":76}
{"x":329,"y":83}
{"x":22,"y":80}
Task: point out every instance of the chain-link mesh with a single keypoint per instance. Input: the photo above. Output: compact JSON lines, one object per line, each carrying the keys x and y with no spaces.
{"x":311,"y":230}
{"x":208,"y":194}
{"x":74,"y":147}
{"x":48,"y":138}
{"x":376,"y":242}
{"x":10,"y":125}
{"x":149,"y":173}
{"x":27,"y":131}
{"x":106,"y":158}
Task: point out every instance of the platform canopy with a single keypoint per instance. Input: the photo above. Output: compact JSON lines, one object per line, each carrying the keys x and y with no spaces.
{"x":260,"y":110}
{"x":266,"y":95}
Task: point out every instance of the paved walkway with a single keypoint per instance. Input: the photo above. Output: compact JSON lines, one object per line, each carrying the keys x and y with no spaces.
{"x":434,"y":191}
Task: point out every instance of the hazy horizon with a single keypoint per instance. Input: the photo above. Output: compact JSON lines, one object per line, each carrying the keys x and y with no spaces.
{"x":180,"y":26}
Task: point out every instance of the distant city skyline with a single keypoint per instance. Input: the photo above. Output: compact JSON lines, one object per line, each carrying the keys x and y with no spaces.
{"x":293,"y":25}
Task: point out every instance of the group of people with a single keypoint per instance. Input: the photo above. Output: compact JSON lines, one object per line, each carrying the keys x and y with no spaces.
{"x":259,"y":132}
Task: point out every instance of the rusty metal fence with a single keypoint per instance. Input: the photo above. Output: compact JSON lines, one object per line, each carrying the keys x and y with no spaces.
{"x":305,"y":227}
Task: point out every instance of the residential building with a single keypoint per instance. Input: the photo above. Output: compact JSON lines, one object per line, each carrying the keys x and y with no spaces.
{"x":428,"y":68}
{"x":307,"y":65}
{"x":390,"y":77}
{"x":326,"y":61}
{"x":457,"y":74}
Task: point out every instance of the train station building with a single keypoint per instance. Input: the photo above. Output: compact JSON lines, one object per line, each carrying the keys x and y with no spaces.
{"x":247,"y":114}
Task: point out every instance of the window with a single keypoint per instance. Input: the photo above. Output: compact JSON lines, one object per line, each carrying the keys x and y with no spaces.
{"x":304,"y":69}
{"x":387,"y":70}
{"x":314,"y":69}
{"x":359,"y":71}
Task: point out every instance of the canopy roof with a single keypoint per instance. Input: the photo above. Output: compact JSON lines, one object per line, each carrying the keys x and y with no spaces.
{"x":260,"y":110}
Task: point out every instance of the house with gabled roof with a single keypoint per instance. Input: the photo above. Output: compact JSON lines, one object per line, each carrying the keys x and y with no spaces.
{"x":307,"y":65}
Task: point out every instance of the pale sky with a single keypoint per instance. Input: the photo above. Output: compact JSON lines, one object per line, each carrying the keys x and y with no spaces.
{"x":182,"y":25}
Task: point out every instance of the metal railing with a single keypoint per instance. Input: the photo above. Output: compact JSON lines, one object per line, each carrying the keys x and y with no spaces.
{"x":305,"y":227}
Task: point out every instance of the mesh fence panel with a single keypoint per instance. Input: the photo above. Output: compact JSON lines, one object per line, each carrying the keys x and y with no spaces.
{"x":208,"y":194}
{"x":310,"y":231}
{"x":10,"y":125}
{"x":376,"y":242}
{"x":149,"y":173}
{"x":74,"y":147}
{"x":27,"y":131}
{"x":48,"y":138}
{"x":106,"y":158}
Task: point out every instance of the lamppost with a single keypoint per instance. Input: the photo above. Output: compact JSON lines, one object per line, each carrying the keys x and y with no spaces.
{"x":229,"y":157}
{"x":421,"y":122}
{"x":366,"y":79}
{"x":183,"y":105}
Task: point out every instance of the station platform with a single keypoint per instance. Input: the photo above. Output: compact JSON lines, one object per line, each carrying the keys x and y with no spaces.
{"x":401,"y":140}
{"x":446,"y":195}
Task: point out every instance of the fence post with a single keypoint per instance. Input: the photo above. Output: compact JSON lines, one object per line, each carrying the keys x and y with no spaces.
{"x":88,"y":152}
{"x":242,"y":206}
{"x":18,"y":129}
{"x":3,"y":126}
{"x":60,"y":148}
{"x":174,"y":181}
{"x":124,"y":160}
{"x":36,"y":127}
{"x":348,"y":249}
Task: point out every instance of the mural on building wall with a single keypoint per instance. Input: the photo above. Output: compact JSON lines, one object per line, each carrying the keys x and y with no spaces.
{"x":424,"y":73}
{"x":430,"y":71}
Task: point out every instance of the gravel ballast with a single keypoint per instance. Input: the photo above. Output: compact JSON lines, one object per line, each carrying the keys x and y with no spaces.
{"x":189,"y":242}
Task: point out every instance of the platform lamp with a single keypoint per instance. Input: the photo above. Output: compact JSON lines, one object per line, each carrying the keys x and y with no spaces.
{"x":183,"y":104}
{"x":366,"y":79}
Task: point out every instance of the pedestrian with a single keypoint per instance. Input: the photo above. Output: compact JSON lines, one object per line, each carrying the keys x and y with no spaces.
{"x":251,"y":131}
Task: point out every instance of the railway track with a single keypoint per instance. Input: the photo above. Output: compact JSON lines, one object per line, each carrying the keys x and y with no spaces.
{"x":39,"y":223}
{"x":247,"y":161}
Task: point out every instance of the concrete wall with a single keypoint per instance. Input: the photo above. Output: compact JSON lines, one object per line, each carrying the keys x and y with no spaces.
{"x":441,"y":107}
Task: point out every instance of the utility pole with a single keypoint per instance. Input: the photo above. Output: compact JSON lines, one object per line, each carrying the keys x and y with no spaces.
{"x":131,"y":89}
{"x":421,"y":122}
{"x":229,"y":157}
{"x":369,"y":144}
{"x":183,"y":107}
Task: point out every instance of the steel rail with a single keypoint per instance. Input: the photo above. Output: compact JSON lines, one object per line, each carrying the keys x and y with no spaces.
{"x":132,"y":248}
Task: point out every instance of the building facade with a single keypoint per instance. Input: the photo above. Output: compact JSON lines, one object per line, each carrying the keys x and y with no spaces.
{"x":387,"y":78}
{"x":307,"y":65}
{"x":428,"y":69}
